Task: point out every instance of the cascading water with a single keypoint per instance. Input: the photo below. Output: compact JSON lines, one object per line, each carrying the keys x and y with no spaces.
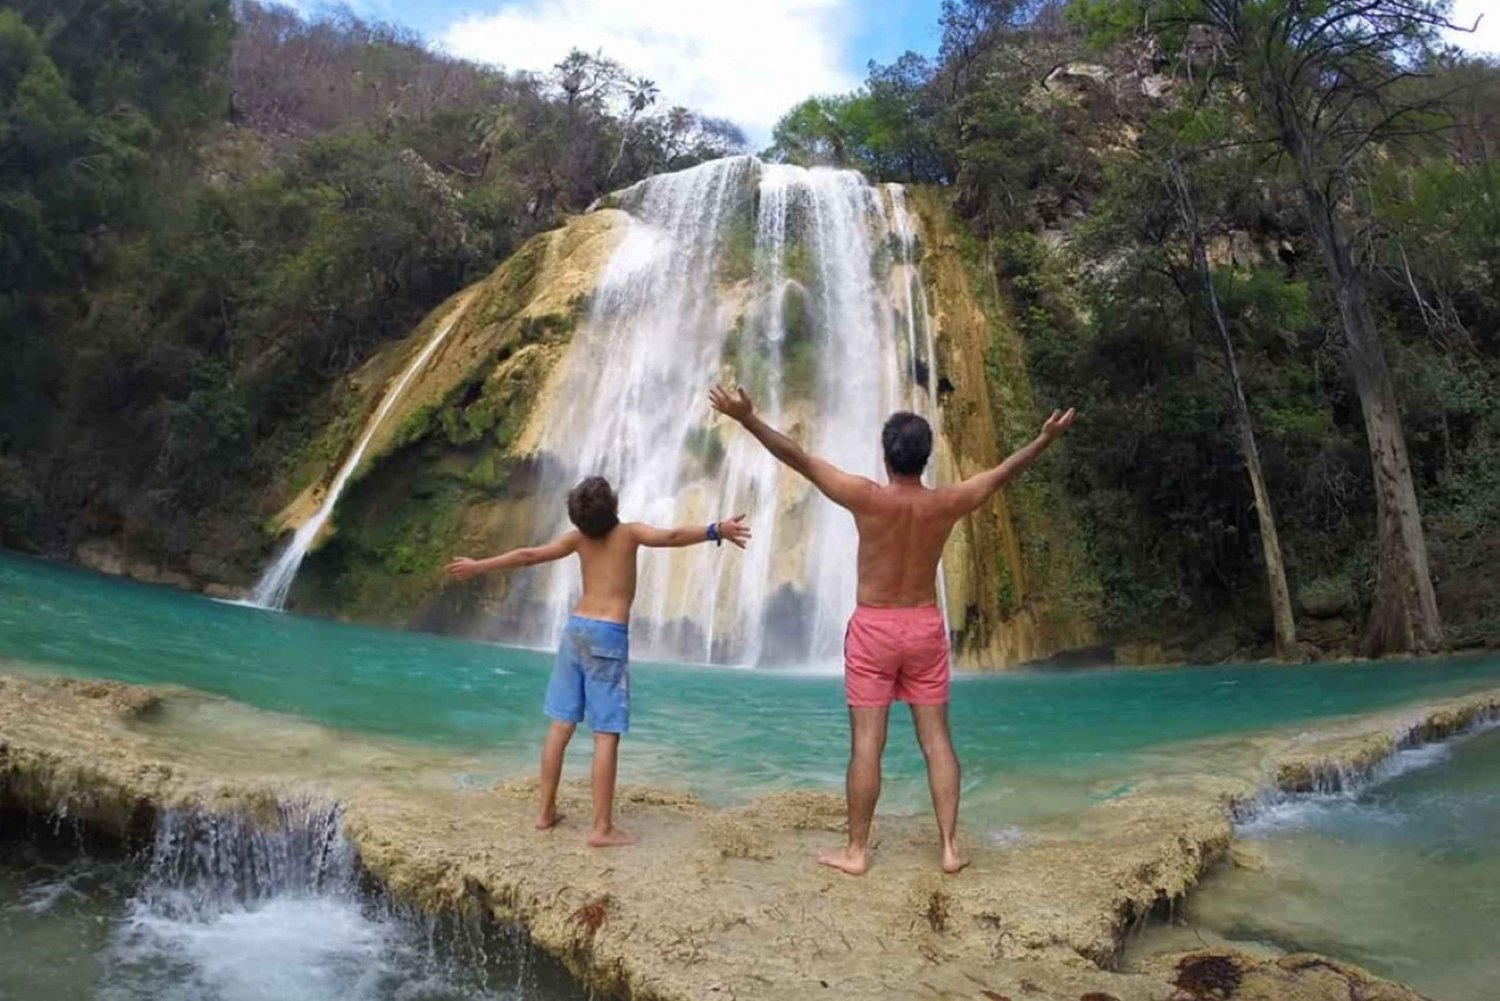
{"x":229,"y":909}
{"x":275,"y":583}
{"x":801,"y":285}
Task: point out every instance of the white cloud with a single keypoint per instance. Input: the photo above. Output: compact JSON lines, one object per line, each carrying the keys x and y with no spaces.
{"x":745,"y":62}
{"x":1487,"y":38}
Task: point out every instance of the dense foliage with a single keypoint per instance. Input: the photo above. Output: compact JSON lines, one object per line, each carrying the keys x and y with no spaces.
{"x":208,"y":212}
{"x":1055,"y":126}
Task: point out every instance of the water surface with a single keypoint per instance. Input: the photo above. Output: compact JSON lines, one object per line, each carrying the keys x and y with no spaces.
{"x":1032,"y":744}
{"x":1402,"y":877}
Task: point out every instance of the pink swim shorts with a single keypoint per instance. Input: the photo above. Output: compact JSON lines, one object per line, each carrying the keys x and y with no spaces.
{"x":896,"y":653}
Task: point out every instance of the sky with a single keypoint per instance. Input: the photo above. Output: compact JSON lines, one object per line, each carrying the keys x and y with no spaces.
{"x":747,"y":61}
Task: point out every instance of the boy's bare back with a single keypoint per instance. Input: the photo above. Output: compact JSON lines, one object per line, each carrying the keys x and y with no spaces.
{"x":608,"y":569}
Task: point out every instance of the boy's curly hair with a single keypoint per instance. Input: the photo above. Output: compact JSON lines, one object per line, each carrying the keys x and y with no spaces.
{"x":593,"y":507}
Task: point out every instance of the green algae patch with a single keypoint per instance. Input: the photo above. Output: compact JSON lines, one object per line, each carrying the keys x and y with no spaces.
{"x":458,"y":441}
{"x":1019,"y":584}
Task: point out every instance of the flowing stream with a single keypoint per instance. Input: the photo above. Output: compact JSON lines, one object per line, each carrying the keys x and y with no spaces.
{"x":274,"y":584}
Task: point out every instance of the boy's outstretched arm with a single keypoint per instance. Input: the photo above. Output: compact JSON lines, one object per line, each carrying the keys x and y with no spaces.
{"x":462,"y":567}
{"x":844,"y":489}
{"x":980,"y":487}
{"x":734,"y":531}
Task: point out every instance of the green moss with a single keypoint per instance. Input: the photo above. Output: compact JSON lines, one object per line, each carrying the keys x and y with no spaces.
{"x":1052,"y":553}
{"x":797,"y":264}
{"x":414,"y":426}
{"x":510,"y":287}
{"x":706,"y":450}
{"x":393,"y":534}
{"x":736,"y":258}
{"x":1008,"y":603}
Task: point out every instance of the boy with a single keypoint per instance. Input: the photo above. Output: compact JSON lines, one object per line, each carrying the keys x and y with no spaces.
{"x":590,"y":679}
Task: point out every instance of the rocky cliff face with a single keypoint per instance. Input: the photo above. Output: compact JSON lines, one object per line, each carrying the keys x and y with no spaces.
{"x":711,"y":903}
{"x":1017,"y":583}
{"x":448,"y":469}
{"x":454,"y":467}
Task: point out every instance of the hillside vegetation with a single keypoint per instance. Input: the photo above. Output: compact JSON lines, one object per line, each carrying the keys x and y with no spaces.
{"x":1257,"y":244}
{"x":210,"y":213}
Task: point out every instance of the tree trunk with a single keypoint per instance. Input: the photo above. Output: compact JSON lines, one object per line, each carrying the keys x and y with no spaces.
{"x":1282,"y":620}
{"x":1404,"y":614}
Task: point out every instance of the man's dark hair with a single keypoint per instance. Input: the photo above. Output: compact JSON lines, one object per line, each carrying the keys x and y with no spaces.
{"x":908,"y":443}
{"x":593,"y":507}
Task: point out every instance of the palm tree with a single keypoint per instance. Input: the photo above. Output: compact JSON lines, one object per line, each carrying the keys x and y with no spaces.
{"x":643,"y":94}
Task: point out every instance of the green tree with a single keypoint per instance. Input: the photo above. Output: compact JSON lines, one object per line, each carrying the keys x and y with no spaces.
{"x":1325,"y":82}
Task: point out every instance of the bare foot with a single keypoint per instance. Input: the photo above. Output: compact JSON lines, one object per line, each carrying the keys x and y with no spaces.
{"x":952,"y":861}
{"x":546,"y":821}
{"x":612,"y":838}
{"x":845,"y":860}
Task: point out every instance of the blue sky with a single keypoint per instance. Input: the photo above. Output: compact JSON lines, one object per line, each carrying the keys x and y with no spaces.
{"x":747,"y":62}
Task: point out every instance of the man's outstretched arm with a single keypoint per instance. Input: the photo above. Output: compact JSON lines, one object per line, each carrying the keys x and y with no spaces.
{"x":838,"y":486}
{"x":462,"y":567}
{"x":733,"y":530}
{"x":974,"y":491}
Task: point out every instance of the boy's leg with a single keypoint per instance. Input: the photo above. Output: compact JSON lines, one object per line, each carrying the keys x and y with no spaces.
{"x":606,"y":762}
{"x":553,"y":748}
{"x":564,"y":706}
{"x":931,"y":722}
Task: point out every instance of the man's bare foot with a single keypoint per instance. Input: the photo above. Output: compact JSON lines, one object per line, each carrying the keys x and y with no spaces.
{"x":952,"y":860}
{"x":612,"y":838}
{"x":547,"y":821}
{"x":845,"y":860}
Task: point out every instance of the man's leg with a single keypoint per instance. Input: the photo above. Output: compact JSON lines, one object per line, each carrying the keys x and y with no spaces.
{"x":942,"y":778}
{"x":866,"y":746}
{"x":558,"y":735}
{"x":606,"y":760}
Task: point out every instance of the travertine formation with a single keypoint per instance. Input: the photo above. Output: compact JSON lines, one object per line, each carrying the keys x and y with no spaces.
{"x":712,"y":903}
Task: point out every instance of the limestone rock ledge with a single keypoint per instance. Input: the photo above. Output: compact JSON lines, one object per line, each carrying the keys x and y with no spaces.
{"x":712,"y":904}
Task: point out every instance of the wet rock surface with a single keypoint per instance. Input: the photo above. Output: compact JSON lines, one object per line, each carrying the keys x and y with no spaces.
{"x":710,"y":903}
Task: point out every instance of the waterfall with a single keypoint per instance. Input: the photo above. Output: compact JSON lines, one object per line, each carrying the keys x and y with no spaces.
{"x":232,"y":909}
{"x":274,"y":584}
{"x":799,"y":284}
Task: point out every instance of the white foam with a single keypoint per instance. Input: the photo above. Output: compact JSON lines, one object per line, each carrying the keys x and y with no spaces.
{"x":1343,"y":791}
{"x":283,"y":949}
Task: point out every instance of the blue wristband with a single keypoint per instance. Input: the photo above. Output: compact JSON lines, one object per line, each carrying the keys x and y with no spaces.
{"x":713,"y":534}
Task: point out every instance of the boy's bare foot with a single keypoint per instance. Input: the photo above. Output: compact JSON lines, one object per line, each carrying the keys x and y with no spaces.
{"x":845,"y":860}
{"x":547,"y":821}
{"x":612,"y":838}
{"x":953,"y":861}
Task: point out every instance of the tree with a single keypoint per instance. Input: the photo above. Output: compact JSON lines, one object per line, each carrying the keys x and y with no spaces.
{"x":1281,"y":602}
{"x":643,"y":94}
{"x":1326,"y":83}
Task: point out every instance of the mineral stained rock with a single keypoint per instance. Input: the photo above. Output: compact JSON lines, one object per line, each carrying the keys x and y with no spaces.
{"x":711,"y":903}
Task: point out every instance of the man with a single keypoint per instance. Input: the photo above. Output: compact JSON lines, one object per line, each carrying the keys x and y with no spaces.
{"x":896,"y":646}
{"x":591,"y":677}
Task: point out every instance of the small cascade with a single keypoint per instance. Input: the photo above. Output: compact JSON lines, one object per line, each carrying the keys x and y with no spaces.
{"x":276,"y":582}
{"x":800,"y":284}
{"x":232,"y":909}
{"x":1276,"y":807}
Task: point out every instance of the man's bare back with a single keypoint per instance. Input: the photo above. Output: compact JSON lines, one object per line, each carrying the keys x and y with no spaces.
{"x":903,"y":528}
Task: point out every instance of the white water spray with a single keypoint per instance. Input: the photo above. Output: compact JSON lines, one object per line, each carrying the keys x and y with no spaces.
{"x":804,"y":285}
{"x":272,"y":588}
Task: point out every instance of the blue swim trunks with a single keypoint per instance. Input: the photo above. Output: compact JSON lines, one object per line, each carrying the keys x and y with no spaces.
{"x":591,"y":677}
